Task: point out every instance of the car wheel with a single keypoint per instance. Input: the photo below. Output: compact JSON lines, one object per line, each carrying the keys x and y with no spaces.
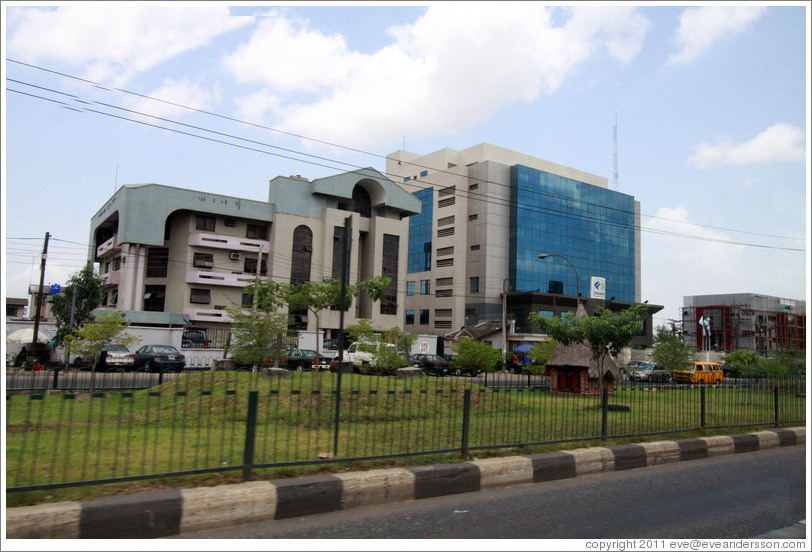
{"x":299,"y":369}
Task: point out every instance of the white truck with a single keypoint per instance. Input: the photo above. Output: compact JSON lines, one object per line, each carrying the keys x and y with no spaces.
{"x":327,"y":348}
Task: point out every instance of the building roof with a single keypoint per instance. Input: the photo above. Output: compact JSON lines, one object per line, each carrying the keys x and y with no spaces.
{"x":483,"y":329}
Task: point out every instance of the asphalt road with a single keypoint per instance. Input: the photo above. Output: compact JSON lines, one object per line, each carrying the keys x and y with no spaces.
{"x":725,"y":497}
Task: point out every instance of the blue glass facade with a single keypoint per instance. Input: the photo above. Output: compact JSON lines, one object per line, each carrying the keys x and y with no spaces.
{"x":420,"y":229}
{"x":594,"y":227}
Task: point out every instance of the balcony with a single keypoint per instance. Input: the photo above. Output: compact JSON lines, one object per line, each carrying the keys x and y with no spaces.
{"x":207,"y":315}
{"x":218,"y":278}
{"x":109,"y":247}
{"x":111,"y":278}
{"x":232,"y":243}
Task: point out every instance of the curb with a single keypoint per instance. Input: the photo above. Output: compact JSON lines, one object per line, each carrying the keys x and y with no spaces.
{"x":175,"y":512}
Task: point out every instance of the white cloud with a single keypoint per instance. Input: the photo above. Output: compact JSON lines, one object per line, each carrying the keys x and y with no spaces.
{"x":174,"y":97}
{"x":116,"y":43}
{"x":451,"y":69}
{"x":709,"y":262}
{"x":780,"y":142}
{"x":700,"y":28}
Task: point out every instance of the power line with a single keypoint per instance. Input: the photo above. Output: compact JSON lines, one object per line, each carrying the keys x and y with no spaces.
{"x":264,"y":127}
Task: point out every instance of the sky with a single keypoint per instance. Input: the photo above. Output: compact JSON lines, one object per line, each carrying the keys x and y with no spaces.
{"x":703,"y":109}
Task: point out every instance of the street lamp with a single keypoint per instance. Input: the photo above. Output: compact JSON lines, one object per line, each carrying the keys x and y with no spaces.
{"x":577,"y":280}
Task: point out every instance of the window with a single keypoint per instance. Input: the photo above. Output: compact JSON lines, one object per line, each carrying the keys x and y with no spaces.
{"x":302,"y":250}
{"x":444,"y":251}
{"x":203,"y":260}
{"x":424,"y":316}
{"x":424,"y":173}
{"x":230,"y":222}
{"x":450,"y":190}
{"x":425,"y":287}
{"x":202,"y":296}
{"x":473,"y":186}
{"x":475,"y":247}
{"x":445,"y":232}
{"x":257,"y":231}
{"x":444,"y":293}
{"x":445,"y":262}
{"x":361,"y":201}
{"x":154,"y":297}
{"x":473,"y":217}
{"x":157,"y":262}
{"x":389,"y":269}
{"x":410,"y":288}
{"x":445,"y":221}
{"x":443,"y":282}
{"x":442,"y":313}
{"x":447,"y":202}
{"x":475,"y":284}
{"x":205,"y":223}
{"x":247,"y":300}
{"x":250,"y":266}
{"x":409,"y":317}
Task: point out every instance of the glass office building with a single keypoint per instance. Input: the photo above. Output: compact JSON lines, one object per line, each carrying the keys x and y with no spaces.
{"x":594,"y":227}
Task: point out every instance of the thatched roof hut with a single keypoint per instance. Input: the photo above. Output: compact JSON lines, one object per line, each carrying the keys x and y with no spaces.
{"x":579,"y":356}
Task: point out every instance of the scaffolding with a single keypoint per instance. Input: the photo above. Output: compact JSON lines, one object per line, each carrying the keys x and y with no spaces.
{"x":763,"y":324}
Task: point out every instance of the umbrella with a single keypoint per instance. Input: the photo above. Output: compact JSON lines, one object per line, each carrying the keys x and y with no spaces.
{"x":26,"y":335}
{"x":523,"y":348}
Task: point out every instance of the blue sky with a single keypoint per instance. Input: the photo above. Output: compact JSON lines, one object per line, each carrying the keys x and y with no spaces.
{"x":711,"y":103}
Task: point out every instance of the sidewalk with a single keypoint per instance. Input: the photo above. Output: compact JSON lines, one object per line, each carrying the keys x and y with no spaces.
{"x":167,"y":513}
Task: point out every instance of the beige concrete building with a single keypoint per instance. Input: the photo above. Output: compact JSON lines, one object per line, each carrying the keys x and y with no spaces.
{"x":173,"y":256}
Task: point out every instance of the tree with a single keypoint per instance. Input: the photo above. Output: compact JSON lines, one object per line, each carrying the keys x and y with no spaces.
{"x":95,"y":334}
{"x":88,"y":287}
{"x":539,"y":355}
{"x":316,"y":297}
{"x":669,"y":351}
{"x":387,"y":347}
{"x":255,"y":331}
{"x":605,"y":333}
{"x":782,"y":363}
{"x":741,"y":362}
{"x":474,"y":356}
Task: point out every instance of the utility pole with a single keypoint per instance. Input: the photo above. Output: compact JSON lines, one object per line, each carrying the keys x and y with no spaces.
{"x":504,"y":323}
{"x":38,"y":309}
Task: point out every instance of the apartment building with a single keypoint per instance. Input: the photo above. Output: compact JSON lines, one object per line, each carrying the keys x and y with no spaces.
{"x":172,"y":256}
{"x":487,"y":214}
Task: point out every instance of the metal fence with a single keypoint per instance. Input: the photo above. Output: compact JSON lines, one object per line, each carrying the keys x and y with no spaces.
{"x":80,"y":428}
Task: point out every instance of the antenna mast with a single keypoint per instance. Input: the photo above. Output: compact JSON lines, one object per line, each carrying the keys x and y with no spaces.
{"x":617,"y":186}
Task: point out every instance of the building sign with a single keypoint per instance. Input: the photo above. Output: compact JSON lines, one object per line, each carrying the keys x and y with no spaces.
{"x":597,"y":288}
{"x":55,"y":288}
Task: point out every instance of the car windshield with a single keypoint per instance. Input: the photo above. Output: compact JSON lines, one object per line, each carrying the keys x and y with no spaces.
{"x":308,"y":353}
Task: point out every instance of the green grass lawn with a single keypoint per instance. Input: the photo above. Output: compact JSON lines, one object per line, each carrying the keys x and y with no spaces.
{"x":198,"y":422}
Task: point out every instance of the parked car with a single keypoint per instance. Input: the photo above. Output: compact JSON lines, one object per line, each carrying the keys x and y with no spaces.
{"x":432,"y":365}
{"x":649,"y":371}
{"x":300,"y":360}
{"x":115,"y":357}
{"x":157,"y":358}
{"x":700,"y":372}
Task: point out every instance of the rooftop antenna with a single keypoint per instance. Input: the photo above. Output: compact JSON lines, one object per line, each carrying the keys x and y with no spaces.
{"x":617,"y":186}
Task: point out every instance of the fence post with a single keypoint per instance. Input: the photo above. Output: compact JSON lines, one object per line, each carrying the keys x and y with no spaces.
{"x":775,"y":404}
{"x":250,"y":436}
{"x":466,"y":423}
{"x":55,"y":384}
{"x":604,"y":411}
{"x":702,"y":407}
{"x":160,"y":376}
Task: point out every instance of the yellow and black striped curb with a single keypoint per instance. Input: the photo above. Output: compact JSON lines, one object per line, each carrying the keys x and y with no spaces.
{"x":166,"y":513}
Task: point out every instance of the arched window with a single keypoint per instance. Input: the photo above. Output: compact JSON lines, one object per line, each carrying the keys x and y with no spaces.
{"x":361,"y":202}
{"x":300,"y":257}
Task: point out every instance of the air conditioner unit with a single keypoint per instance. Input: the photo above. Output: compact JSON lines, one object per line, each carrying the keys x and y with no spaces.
{"x":234,"y":255}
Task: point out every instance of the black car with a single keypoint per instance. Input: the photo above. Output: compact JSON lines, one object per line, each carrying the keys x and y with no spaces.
{"x":432,"y":365}
{"x":158,"y":358}
{"x":300,"y":360}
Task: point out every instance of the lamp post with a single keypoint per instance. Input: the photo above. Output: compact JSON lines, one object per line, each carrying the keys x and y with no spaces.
{"x":577,"y":280}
